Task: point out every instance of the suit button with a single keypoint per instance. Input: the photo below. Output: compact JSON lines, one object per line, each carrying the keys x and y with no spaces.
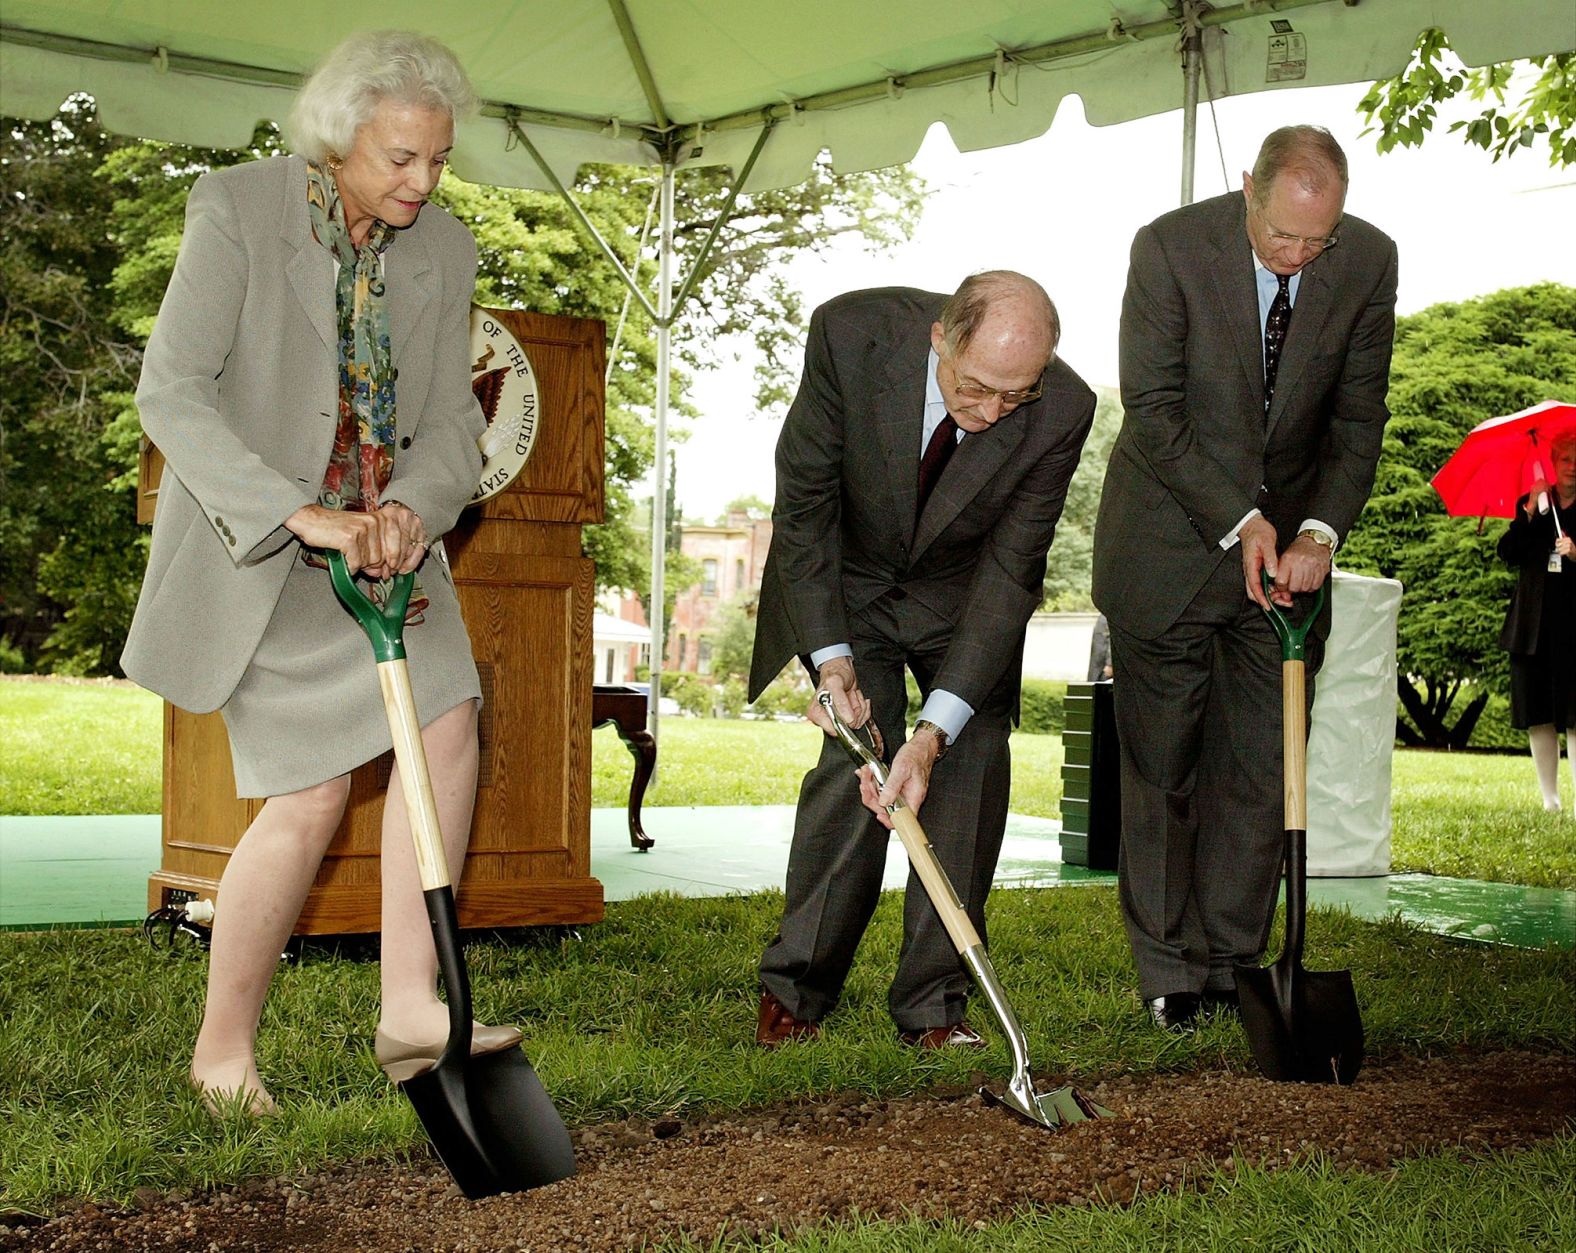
{"x":232,"y":541}
{"x":897,"y":593}
{"x":405,"y":443}
{"x":218,"y":521}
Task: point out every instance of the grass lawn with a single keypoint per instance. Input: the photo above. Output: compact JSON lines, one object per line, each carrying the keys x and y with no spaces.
{"x":1468,"y":814}
{"x":651,"y":1011}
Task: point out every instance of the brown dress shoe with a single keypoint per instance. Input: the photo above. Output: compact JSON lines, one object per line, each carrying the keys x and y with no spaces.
{"x":775,"y":1026}
{"x":958,"y":1036}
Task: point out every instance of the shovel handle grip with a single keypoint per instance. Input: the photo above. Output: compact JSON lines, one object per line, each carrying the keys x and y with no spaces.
{"x":1293,"y":638}
{"x":384,"y":627}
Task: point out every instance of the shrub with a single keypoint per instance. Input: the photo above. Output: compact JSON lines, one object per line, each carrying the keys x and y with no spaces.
{"x":1043,"y":707}
{"x":693,"y":693}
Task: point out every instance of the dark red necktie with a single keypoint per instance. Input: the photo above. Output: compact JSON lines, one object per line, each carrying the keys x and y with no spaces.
{"x":1275,"y":336}
{"x":943,"y":441}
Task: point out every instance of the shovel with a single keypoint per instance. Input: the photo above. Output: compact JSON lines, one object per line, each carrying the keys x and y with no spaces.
{"x":489,"y":1118}
{"x":1052,"y":1109}
{"x":1303,"y":1027}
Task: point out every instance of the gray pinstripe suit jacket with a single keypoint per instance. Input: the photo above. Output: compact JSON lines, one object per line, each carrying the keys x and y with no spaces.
{"x":1196,"y":453}
{"x":843,"y":528}
{"x":239,"y":390}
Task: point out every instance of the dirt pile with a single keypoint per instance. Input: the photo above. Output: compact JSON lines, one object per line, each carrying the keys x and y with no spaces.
{"x":946,"y":1155}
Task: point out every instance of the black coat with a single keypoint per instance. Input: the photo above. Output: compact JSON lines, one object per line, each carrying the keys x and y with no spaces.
{"x":1527,"y":545}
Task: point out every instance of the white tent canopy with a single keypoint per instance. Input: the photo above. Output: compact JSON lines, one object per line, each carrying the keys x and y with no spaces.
{"x":759,"y":87}
{"x":643,"y":81}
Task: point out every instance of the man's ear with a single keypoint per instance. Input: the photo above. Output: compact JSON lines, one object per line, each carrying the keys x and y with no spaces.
{"x":938,"y":338}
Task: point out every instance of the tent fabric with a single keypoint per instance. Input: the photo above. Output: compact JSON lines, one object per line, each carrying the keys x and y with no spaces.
{"x":718,"y":66}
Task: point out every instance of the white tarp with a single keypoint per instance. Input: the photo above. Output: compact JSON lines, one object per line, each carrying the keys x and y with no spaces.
{"x":1353,"y":734}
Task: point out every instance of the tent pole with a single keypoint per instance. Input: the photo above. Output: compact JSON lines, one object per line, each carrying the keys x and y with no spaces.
{"x":1192,"y":59}
{"x":659,"y":497}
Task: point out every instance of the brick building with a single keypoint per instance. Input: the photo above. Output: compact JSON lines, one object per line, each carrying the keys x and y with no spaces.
{"x":732,"y":557}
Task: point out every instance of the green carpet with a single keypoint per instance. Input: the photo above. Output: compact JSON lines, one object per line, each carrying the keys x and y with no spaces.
{"x":82,"y":872}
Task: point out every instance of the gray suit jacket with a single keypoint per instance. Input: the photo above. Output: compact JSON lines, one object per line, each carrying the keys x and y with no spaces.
{"x":843,"y":528}
{"x":240,"y":390}
{"x":1195,"y":452}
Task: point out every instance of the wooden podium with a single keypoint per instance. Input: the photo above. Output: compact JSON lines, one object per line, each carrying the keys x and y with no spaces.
{"x":527,"y":596}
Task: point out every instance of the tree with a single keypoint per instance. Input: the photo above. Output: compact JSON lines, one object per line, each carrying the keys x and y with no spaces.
{"x":1070,"y":567}
{"x":1455,"y":365}
{"x":750,"y":505}
{"x":734,"y":639}
{"x":91,"y":226}
{"x":535,"y":256}
{"x":64,"y":500}
{"x":1406,"y":105}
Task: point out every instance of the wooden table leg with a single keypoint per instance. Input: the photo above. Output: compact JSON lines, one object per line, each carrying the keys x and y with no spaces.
{"x":626,"y":710}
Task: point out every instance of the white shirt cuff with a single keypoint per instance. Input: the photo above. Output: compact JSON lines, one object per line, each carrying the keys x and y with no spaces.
{"x":1233,"y":535}
{"x":823,"y":655}
{"x":950,"y":713}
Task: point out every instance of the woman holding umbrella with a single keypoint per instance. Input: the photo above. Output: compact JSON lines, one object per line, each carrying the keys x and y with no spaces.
{"x":1540,"y":629}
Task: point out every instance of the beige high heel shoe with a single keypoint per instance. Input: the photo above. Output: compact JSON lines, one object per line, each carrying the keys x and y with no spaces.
{"x":402,"y":1060}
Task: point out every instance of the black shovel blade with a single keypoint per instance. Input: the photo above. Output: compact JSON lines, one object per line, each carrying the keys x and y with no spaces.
{"x":1302,"y":1026}
{"x":492,"y":1123}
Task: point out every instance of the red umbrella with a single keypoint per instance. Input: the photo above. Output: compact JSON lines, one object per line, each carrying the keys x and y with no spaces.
{"x":1499,"y":460}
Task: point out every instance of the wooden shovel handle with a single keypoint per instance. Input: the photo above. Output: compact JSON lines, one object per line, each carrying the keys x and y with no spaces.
{"x":937,"y":886}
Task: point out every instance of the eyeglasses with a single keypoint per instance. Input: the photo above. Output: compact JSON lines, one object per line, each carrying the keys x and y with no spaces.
{"x":1315,"y":243}
{"x":976,"y":393}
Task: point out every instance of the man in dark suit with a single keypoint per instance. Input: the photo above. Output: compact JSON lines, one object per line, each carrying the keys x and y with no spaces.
{"x":920,"y":474}
{"x":1255,"y":358}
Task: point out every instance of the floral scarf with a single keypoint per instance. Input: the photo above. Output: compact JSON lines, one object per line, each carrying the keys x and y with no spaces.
{"x":362,"y":458}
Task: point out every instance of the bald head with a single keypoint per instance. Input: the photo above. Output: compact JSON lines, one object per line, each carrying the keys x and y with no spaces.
{"x":996,"y":337}
{"x":1002,"y":307}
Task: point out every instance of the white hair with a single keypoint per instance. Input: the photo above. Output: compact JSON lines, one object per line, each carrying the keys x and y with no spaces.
{"x":346,"y":89}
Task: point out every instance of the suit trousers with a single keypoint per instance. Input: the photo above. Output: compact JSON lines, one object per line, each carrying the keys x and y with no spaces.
{"x":839,"y":850}
{"x":1198,"y":715}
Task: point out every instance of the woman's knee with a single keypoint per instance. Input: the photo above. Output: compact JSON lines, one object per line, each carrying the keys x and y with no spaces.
{"x":450,"y":739}
{"x":316,"y":808}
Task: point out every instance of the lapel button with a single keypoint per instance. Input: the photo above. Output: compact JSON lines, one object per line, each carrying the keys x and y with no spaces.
{"x":405,"y":443}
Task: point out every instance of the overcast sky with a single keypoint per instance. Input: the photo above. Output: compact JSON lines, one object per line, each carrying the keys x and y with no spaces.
{"x":1063,"y":208}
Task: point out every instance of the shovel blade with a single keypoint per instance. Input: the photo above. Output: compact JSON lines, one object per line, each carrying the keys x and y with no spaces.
{"x":1302,"y":1026}
{"x":492,"y":1123}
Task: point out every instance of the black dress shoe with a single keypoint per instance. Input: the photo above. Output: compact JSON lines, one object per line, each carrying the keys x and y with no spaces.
{"x":1220,"y":1001}
{"x":1175,"y":1011}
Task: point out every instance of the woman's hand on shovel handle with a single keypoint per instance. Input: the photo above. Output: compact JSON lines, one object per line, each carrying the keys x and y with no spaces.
{"x":379,"y":545}
{"x":908,"y":779}
{"x":838,"y":677}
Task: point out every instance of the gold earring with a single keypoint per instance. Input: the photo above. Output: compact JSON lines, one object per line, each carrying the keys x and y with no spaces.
{"x":334,"y":162}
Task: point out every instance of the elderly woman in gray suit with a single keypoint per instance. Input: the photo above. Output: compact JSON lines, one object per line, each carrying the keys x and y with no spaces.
{"x":308,"y":383}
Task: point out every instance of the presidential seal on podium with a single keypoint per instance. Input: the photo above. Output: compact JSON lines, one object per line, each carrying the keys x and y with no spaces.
{"x":505,"y":386}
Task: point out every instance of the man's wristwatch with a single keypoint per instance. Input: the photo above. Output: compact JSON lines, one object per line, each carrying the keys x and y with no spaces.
{"x":942,"y":740}
{"x":1321,"y":538}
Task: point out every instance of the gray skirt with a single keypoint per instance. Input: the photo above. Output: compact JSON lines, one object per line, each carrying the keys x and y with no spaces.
{"x":309,"y":707}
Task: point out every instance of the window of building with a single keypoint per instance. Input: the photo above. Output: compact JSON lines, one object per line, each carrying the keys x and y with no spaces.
{"x":678,"y":661}
{"x":738,"y":574}
{"x":708,"y":577}
{"x":703,"y":657}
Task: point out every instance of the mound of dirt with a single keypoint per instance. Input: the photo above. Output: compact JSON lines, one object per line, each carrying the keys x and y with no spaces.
{"x":940,"y":1155}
